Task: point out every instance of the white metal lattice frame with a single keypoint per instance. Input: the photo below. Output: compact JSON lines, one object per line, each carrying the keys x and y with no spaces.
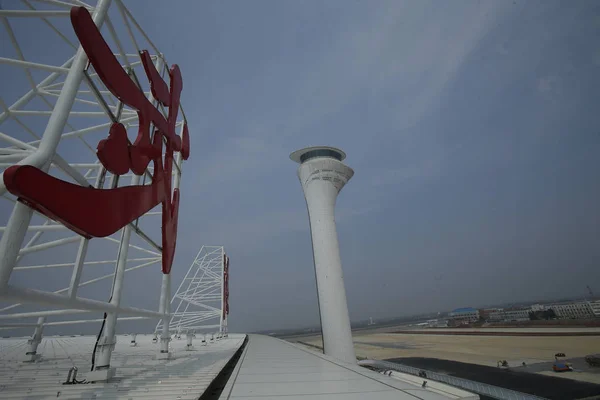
{"x":55,"y":125}
{"x":198,"y":303}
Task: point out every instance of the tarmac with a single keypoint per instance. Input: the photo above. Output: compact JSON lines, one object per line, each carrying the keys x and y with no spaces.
{"x":470,"y":353}
{"x":549,"y":387}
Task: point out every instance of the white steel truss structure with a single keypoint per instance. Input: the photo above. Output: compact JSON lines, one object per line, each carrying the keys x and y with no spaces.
{"x":200,"y":303}
{"x":54,"y":109}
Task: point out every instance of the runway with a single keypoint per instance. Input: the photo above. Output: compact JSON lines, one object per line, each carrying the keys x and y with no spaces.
{"x":545,"y":386}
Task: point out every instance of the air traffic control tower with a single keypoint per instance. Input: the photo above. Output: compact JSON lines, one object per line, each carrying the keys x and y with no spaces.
{"x":322,"y":175}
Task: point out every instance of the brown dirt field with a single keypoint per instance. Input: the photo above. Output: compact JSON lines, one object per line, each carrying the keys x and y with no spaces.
{"x":483,"y":350}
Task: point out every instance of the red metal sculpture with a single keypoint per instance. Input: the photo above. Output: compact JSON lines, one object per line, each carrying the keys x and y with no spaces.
{"x":226,"y":284}
{"x":115,"y":208}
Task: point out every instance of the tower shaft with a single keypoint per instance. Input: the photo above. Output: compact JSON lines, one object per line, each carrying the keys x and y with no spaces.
{"x":322,"y":178}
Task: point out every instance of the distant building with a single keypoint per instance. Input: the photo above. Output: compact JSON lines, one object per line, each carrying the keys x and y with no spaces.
{"x":595,"y":305}
{"x":574,"y":310}
{"x":539,"y":307}
{"x":496,"y":316}
{"x":485,"y":313}
{"x":509,"y":315}
{"x":464,"y":315}
{"x":516,"y":315}
{"x":437,"y":323}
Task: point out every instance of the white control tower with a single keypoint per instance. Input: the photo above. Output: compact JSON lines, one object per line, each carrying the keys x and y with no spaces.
{"x":322,"y":175}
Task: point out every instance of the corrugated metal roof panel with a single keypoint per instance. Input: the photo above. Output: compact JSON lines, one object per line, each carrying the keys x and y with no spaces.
{"x":272,"y":368}
{"x":139,"y":374}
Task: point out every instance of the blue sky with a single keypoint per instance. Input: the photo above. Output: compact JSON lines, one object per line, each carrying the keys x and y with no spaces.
{"x":471,"y":126}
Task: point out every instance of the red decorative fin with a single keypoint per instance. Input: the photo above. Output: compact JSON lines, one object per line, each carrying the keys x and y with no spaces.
{"x":87,"y":211}
{"x":105,"y":63}
{"x":225,"y":285}
{"x":185,"y":145}
{"x":169,"y":231}
{"x":159,"y":88}
{"x":113,"y":152}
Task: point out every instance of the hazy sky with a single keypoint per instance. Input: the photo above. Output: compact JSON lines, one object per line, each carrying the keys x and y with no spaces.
{"x":472,"y":127}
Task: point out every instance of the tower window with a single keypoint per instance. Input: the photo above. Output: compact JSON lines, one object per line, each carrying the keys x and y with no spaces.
{"x":320,"y":153}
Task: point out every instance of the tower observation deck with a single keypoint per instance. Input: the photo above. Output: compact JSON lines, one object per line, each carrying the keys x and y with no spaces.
{"x":323,"y":175}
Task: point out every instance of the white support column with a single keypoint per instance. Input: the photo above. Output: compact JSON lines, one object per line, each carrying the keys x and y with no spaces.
{"x":102,"y":370}
{"x":81,"y":252}
{"x":33,"y":343}
{"x":323,"y":175}
{"x":189,"y":336}
{"x":165,"y":296}
{"x":165,"y":290}
{"x":78,"y":267}
{"x":20,"y":218}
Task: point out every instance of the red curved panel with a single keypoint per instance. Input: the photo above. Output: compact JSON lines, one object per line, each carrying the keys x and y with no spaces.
{"x":87,"y":211}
